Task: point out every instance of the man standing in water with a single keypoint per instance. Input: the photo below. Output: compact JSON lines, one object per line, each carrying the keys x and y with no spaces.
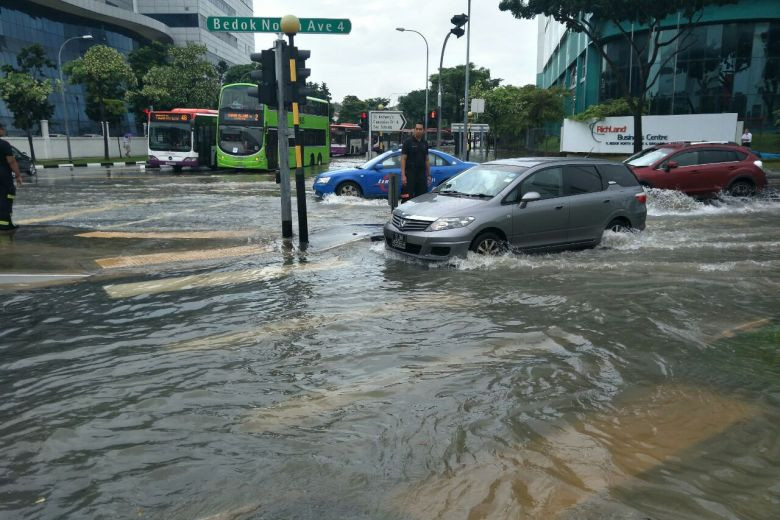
{"x":8,"y":169}
{"x":415,"y":167}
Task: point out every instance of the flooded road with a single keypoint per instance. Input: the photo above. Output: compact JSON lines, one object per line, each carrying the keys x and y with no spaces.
{"x":163,"y":354}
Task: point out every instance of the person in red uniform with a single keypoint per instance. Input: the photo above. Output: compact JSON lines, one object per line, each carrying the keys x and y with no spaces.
{"x":9,"y":169}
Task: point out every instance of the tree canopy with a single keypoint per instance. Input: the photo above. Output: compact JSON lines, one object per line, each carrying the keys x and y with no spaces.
{"x":106,"y":76}
{"x":187,"y":81}
{"x":453,"y":83}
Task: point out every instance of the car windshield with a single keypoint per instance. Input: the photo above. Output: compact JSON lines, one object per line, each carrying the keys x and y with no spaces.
{"x":376,"y":160}
{"x":486,"y":180}
{"x":649,"y":156}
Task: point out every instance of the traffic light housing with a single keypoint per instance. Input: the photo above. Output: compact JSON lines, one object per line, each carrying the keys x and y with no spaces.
{"x":267,"y":89}
{"x":459,"y":20}
{"x":298,"y":88}
{"x":433,"y":117}
{"x":364,"y":120}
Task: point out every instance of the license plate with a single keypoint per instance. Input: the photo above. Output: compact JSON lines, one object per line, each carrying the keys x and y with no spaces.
{"x":398,"y":241}
{"x":172,"y":163}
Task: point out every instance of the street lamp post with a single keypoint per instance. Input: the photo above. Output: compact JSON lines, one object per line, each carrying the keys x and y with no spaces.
{"x":438,"y":98}
{"x":426,"y":73}
{"x":62,"y":88}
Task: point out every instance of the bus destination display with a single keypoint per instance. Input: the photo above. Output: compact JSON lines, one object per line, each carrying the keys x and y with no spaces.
{"x":161,"y":116}
{"x":240,"y":117}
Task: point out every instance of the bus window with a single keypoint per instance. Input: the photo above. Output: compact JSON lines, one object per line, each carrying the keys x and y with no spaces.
{"x":170,"y":136}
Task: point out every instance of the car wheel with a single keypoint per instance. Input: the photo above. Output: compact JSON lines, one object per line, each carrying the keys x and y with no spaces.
{"x":742,"y":189}
{"x":488,"y":244}
{"x":646,"y":185}
{"x":319,"y":159}
{"x":311,"y":160}
{"x":349,"y":189}
{"x":619,"y":225}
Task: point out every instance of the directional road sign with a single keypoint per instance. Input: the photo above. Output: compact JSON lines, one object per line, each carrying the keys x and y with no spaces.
{"x":473,"y":127}
{"x":386,"y":120}
{"x":273,"y":25}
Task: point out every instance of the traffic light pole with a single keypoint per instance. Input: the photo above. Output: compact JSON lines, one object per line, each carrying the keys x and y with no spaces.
{"x":284,"y":144}
{"x":465,"y":148}
{"x":438,"y":99}
{"x":300,"y":181}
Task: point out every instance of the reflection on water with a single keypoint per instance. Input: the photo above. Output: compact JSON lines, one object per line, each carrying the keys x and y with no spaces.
{"x":638,"y":379}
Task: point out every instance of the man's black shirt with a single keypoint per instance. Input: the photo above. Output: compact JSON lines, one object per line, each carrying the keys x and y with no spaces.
{"x":416,"y":153}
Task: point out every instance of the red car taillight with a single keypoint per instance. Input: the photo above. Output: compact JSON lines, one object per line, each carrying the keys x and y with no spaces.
{"x":641,"y":198}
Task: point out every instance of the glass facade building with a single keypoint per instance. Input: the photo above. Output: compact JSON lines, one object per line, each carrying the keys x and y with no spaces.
{"x":730,"y":62}
{"x":124,"y":25}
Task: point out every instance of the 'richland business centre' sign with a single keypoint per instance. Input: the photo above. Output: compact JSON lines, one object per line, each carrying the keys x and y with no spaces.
{"x":616,"y":134}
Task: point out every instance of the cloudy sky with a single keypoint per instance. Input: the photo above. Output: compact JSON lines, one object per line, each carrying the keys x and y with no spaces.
{"x":376,"y":60}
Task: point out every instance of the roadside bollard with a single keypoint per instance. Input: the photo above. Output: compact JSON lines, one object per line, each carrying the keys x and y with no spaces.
{"x":392,"y":193}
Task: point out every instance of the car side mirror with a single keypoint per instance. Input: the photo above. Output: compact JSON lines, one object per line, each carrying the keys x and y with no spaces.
{"x":379,"y":166}
{"x":529,"y":197}
{"x":671,"y":164}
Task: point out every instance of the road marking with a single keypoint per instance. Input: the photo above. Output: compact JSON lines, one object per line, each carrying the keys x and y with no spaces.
{"x":214,"y":279}
{"x":87,"y":211}
{"x":38,"y":280}
{"x":231,"y":339}
{"x":74,"y":213}
{"x":745,"y":327}
{"x":167,"y":214}
{"x":153,"y":235}
{"x":180,"y":256}
{"x":575,"y":463}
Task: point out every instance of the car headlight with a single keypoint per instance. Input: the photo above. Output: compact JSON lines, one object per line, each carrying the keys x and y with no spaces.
{"x":759,"y":163}
{"x":322,"y":180}
{"x":450,"y":223}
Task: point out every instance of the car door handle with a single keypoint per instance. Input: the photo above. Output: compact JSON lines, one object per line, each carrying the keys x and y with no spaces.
{"x":559,"y":207}
{"x":606,"y":201}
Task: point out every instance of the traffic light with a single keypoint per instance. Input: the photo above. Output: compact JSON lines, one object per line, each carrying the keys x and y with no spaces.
{"x":364,"y":120}
{"x":298,"y":88}
{"x":433,"y":117}
{"x":459,"y":20}
{"x":267,"y":89}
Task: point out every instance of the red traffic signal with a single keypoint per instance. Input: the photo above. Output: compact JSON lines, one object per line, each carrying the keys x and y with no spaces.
{"x":364,"y":120}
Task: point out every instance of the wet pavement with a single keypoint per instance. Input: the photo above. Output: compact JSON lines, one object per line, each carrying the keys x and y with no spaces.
{"x":163,"y":354}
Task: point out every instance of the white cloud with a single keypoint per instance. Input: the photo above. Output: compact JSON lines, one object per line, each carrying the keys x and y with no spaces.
{"x":376,"y":60}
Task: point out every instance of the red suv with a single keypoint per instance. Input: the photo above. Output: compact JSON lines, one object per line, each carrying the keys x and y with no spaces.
{"x":699,"y":169}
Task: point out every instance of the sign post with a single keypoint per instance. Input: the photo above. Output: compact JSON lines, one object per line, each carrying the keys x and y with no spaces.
{"x":284,"y":144}
{"x":384,"y":121}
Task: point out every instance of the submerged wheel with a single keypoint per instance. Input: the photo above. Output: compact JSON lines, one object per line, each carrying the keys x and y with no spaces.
{"x":311,"y":160}
{"x":319,"y":159}
{"x":619,"y":225}
{"x":489,"y":244}
{"x":349,"y":189}
{"x":742,"y":189}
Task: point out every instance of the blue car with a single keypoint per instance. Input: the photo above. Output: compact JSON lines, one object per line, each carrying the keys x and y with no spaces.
{"x":372,"y":179}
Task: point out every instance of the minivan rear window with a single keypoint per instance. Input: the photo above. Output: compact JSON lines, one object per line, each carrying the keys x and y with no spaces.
{"x":618,"y":173}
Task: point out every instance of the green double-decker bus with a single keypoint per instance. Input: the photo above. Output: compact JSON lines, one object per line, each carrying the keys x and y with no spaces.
{"x":247,"y":131}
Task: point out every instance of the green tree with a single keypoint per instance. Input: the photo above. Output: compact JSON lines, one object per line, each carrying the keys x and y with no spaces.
{"x":375,"y":103}
{"x":142,"y":60}
{"x":189,"y":81}
{"x":106,"y":76}
{"x":651,"y":52}
{"x":413,"y":105}
{"x":26,"y":92}
{"x":320,"y":91}
{"x":351,"y":107}
{"x":512,"y":112}
{"x":611,"y":108}
{"x":239,"y":73}
{"x":453,"y":86}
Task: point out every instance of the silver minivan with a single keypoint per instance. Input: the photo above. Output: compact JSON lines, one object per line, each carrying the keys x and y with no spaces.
{"x":526,"y":204}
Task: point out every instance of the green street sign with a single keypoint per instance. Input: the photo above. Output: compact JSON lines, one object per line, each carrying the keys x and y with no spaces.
{"x":273,"y":25}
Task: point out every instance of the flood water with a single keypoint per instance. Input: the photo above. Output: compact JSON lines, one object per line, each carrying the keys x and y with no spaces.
{"x":187,"y":364}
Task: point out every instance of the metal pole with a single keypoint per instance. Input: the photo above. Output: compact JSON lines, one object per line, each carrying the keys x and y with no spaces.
{"x":464,"y":149}
{"x":284,"y":144}
{"x":300,"y":182}
{"x":62,"y":93}
{"x":438,"y":118}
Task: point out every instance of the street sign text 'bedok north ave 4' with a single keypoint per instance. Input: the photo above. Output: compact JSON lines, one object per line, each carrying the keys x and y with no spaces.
{"x":272,"y":25}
